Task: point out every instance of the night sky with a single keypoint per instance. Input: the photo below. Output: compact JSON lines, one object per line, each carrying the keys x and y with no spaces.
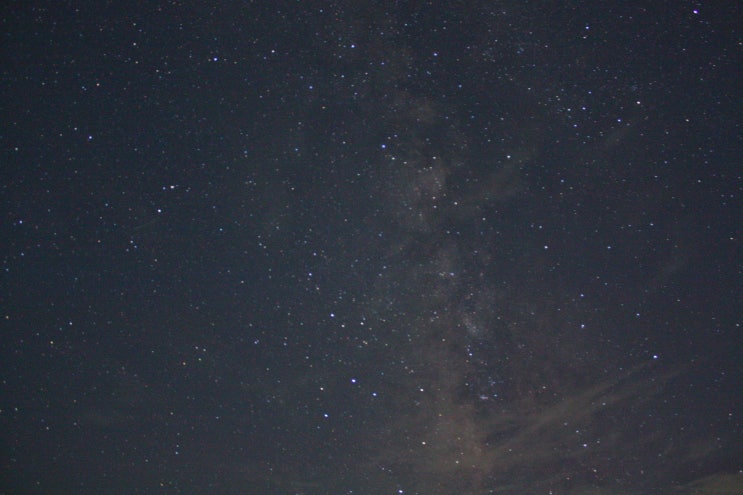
{"x":371,"y":248}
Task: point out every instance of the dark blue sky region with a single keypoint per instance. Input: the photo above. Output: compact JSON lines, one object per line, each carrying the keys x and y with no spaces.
{"x":371,"y":248}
